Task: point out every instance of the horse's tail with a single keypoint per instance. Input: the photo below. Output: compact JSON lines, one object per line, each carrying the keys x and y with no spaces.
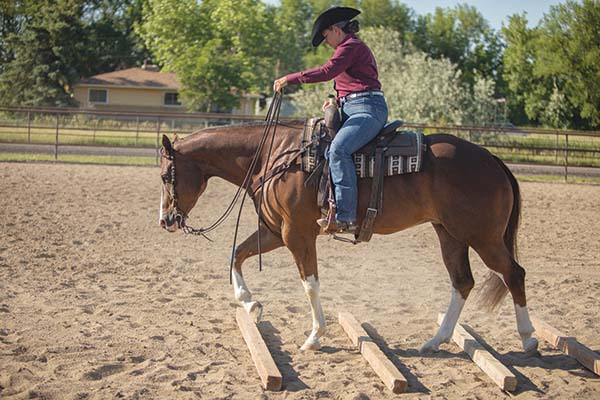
{"x":494,"y":290}
{"x":510,"y":235}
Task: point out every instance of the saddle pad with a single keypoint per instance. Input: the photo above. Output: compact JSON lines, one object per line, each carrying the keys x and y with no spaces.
{"x":410,"y":161}
{"x":404,"y":159}
{"x":311,"y":135}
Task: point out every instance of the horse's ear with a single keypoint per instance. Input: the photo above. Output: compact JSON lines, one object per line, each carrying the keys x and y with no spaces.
{"x":167,"y":144}
{"x":175,"y":137}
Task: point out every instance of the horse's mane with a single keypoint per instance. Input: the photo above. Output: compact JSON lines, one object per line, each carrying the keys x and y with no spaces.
{"x":287,"y":123}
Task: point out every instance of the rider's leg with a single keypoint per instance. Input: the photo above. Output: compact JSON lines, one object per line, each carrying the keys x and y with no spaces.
{"x":364,"y":117}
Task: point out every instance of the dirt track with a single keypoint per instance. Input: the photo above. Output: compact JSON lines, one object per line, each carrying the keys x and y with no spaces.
{"x":97,"y":302}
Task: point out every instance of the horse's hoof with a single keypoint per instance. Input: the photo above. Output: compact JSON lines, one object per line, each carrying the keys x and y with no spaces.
{"x":311,"y":344}
{"x":430,"y":347}
{"x":530,"y":346}
{"x":254,"y":310}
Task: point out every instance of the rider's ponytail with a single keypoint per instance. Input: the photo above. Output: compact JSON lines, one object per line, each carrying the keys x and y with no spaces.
{"x":351,"y":27}
{"x":348,"y":26}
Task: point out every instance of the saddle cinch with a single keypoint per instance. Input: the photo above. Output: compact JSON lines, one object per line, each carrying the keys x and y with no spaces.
{"x":392,"y":152}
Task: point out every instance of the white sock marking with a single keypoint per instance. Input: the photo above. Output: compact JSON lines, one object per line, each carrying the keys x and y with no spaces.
{"x":160,"y":210}
{"x":524,"y":325}
{"x":240,"y":289}
{"x":454,"y":309}
{"x":311,"y":287}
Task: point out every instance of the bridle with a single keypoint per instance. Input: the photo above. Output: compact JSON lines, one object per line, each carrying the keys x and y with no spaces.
{"x":171,"y":178}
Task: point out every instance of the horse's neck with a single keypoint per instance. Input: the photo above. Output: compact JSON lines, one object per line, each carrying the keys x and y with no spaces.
{"x":226,"y":153}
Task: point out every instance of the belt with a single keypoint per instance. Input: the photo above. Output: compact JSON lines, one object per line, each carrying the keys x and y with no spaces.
{"x":360,"y":94}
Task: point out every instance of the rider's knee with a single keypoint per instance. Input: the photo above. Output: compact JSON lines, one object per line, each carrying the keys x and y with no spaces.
{"x":337,"y":152}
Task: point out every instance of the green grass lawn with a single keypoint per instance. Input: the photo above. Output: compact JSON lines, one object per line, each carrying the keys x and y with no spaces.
{"x":72,"y":158}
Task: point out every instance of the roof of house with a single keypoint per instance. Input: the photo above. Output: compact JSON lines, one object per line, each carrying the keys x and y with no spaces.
{"x":133,"y":77}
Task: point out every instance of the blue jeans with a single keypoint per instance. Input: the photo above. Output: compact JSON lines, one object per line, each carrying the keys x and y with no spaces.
{"x":362,"y":119}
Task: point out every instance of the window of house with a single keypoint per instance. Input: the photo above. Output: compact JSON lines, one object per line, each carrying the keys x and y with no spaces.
{"x":98,"y":96}
{"x":172,"y":99}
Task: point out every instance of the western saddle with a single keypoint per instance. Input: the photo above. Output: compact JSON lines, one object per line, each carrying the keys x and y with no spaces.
{"x":392,"y":152}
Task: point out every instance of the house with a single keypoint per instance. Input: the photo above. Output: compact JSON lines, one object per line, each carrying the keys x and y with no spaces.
{"x":144,"y":89}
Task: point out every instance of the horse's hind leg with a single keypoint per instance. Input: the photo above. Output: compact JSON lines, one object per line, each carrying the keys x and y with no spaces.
{"x":245,"y":250}
{"x":509,"y":274}
{"x":456,"y":259}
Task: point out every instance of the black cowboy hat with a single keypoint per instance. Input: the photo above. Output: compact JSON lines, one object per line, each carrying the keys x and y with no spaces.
{"x":328,"y":18}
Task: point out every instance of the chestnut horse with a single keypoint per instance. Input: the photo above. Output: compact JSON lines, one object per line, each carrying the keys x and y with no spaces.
{"x":468,"y":195}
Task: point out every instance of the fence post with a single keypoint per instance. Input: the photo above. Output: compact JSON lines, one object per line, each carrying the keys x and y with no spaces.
{"x":566,"y":156}
{"x":56,"y":140}
{"x":94,"y":134}
{"x":556,"y":151}
{"x":29,"y":127}
{"x":137,"y":129}
{"x":157,"y":139}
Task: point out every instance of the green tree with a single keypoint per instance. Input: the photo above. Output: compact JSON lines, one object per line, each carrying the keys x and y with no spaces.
{"x":46,"y":53}
{"x":294,"y":23}
{"x":389,"y":14}
{"x":109,"y":33}
{"x":462,"y":35}
{"x":518,"y":62}
{"x":568,"y":54}
{"x":553,"y":70}
{"x":47,"y":45}
{"x":10,"y":24}
{"x":219,"y":49}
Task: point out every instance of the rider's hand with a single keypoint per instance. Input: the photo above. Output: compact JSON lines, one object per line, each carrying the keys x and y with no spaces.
{"x":279,"y":84}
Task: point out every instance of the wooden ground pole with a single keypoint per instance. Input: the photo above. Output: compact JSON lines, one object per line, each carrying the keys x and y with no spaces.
{"x":568,"y":345}
{"x":386,"y":370}
{"x":267,"y":370}
{"x":484,"y":360}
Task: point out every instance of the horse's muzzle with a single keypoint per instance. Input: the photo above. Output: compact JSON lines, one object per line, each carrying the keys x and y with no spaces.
{"x":172,"y":222}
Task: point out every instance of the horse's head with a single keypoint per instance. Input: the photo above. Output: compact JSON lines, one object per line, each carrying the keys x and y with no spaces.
{"x":182,"y":183}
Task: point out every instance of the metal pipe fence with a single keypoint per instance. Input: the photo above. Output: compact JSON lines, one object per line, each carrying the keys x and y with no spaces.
{"x":137,"y":130}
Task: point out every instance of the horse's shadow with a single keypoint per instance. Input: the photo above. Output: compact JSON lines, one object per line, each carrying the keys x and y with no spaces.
{"x":291,"y":380}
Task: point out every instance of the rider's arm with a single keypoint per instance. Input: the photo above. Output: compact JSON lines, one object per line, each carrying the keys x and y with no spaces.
{"x":338,"y":63}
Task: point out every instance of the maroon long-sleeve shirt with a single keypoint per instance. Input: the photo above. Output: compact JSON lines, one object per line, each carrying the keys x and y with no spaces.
{"x":352,"y":65}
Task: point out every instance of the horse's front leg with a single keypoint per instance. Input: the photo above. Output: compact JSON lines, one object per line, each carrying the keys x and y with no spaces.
{"x":302,"y":244}
{"x":245,"y":250}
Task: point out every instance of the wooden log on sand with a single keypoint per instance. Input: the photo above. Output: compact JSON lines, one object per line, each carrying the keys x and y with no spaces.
{"x":568,"y":345}
{"x":484,"y":360}
{"x":382,"y":366}
{"x":267,"y":370}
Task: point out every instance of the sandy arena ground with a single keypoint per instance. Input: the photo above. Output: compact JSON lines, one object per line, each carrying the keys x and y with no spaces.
{"x":97,"y":302}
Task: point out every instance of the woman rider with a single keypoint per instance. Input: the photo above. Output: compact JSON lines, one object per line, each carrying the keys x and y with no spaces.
{"x":364,"y":110}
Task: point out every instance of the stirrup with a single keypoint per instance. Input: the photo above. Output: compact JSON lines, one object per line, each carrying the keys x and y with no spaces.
{"x":337,"y":226}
